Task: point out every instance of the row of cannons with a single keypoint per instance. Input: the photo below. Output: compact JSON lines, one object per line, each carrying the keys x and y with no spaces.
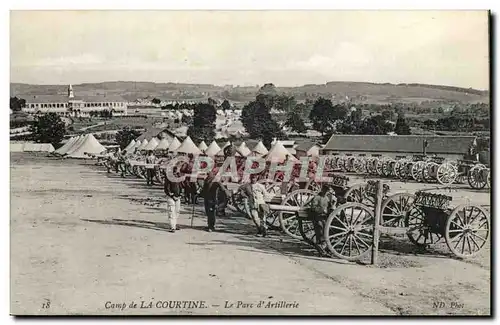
{"x":419,"y":168}
{"x":360,"y":213}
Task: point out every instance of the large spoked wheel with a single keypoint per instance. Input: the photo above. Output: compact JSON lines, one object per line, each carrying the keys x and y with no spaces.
{"x":419,"y":231}
{"x":488,"y":179}
{"x":447,"y":174}
{"x":379,"y":164}
{"x":349,"y":231}
{"x":360,"y":166}
{"x":395,"y":209}
{"x":288,"y":220}
{"x":477,"y":178}
{"x":467,"y":230}
{"x":417,"y":171}
{"x":429,"y":173}
{"x":387,"y":167}
{"x":358,"y":193}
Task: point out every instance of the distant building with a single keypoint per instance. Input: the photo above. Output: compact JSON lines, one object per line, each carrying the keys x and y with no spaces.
{"x":400,"y":146}
{"x":72,"y":105}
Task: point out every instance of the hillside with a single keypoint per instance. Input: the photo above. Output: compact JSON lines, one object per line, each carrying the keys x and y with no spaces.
{"x":361,"y":92}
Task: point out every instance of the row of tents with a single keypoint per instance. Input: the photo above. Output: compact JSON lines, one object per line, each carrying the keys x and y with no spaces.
{"x":31,"y":147}
{"x":277,"y":152}
{"x":81,"y":147}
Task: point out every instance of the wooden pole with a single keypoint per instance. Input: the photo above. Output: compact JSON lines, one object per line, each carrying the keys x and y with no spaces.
{"x":376,"y":225}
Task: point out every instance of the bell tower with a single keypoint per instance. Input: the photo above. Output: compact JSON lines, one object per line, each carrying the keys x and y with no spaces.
{"x":70,"y":91}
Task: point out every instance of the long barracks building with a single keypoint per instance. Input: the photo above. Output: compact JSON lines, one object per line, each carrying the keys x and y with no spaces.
{"x":71,"y":104}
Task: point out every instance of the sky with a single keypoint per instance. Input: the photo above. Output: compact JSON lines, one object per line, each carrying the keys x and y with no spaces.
{"x":287,"y":48}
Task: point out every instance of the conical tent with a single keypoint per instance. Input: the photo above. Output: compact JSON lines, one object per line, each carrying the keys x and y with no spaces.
{"x":152,"y":144}
{"x":66,"y":146}
{"x":188,"y":146}
{"x":136,"y":145}
{"x":313,"y":152}
{"x":243,"y":149}
{"x":77,"y":143}
{"x":89,"y":146}
{"x":174,"y":145}
{"x":202,"y":146}
{"x":212,"y":149}
{"x":260,"y":149}
{"x":144,"y":143}
{"x":130,"y":145}
{"x":278,"y":153}
{"x":163,"y":145}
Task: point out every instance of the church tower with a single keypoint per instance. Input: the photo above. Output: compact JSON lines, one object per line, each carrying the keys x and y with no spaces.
{"x":70,"y":91}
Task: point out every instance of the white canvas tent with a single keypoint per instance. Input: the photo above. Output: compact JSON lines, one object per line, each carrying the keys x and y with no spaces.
{"x":243,"y":149}
{"x":260,"y":149}
{"x":90,"y":145}
{"x":212,"y":149}
{"x":143,"y":144}
{"x":16,"y":147}
{"x":152,"y":144}
{"x":46,"y":147}
{"x":188,"y":146}
{"x":314,"y":151}
{"x":66,"y":146}
{"x":174,"y":145}
{"x":163,"y":145}
{"x":29,"y":147}
{"x":278,"y":153}
{"x":75,"y":144}
{"x":130,"y":145}
{"x":202,"y":146}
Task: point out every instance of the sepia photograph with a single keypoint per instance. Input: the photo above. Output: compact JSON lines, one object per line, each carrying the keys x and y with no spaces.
{"x":250,"y":163}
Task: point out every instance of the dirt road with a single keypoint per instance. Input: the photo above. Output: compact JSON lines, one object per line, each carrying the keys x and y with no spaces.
{"x":86,"y":242}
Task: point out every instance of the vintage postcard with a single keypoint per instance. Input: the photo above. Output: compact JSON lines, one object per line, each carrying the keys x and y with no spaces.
{"x":250,"y":163}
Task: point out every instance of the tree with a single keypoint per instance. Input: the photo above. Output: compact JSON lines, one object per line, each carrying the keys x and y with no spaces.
{"x":284,"y":103}
{"x":375,"y":125}
{"x":268,"y":89}
{"x":402,"y":128}
{"x":296,"y":123}
{"x":186,"y":119}
{"x":203,"y":123}
{"x":16,"y":104}
{"x":48,"y":128}
{"x":258,"y":122}
{"x":125,"y":135}
{"x":212,"y":102}
{"x":156,"y":101}
{"x":388,"y":114}
{"x":225,"y":105}
{"x":324,"y":115}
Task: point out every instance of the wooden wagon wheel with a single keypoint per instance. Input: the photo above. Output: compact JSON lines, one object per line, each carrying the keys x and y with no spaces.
{"x":386,"y":167}
{"x":476,"y":177}
{"x":360,"y":166}
{"x":417,"y":171}
{"x":288,"y":220}
{"x":349,"y":231}
{"x":398,"y":165}
{"x":419,"y":231}
{"x":395,"y":209}
{"x":447,"y":173}
{"x":379,"y":163}
{"x":488,"y":178}
{"x":429,"y":172}
{"x":467,"y":230}
{"x":358,"y":193}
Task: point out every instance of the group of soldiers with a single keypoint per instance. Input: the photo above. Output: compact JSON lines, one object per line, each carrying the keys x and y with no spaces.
{"x":216,"y":196}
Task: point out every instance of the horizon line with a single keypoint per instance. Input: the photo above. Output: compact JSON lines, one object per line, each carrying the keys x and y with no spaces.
{"x":248,"y":85}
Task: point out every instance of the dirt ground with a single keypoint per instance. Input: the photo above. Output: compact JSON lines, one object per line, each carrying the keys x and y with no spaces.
{"x":87,"y":242}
